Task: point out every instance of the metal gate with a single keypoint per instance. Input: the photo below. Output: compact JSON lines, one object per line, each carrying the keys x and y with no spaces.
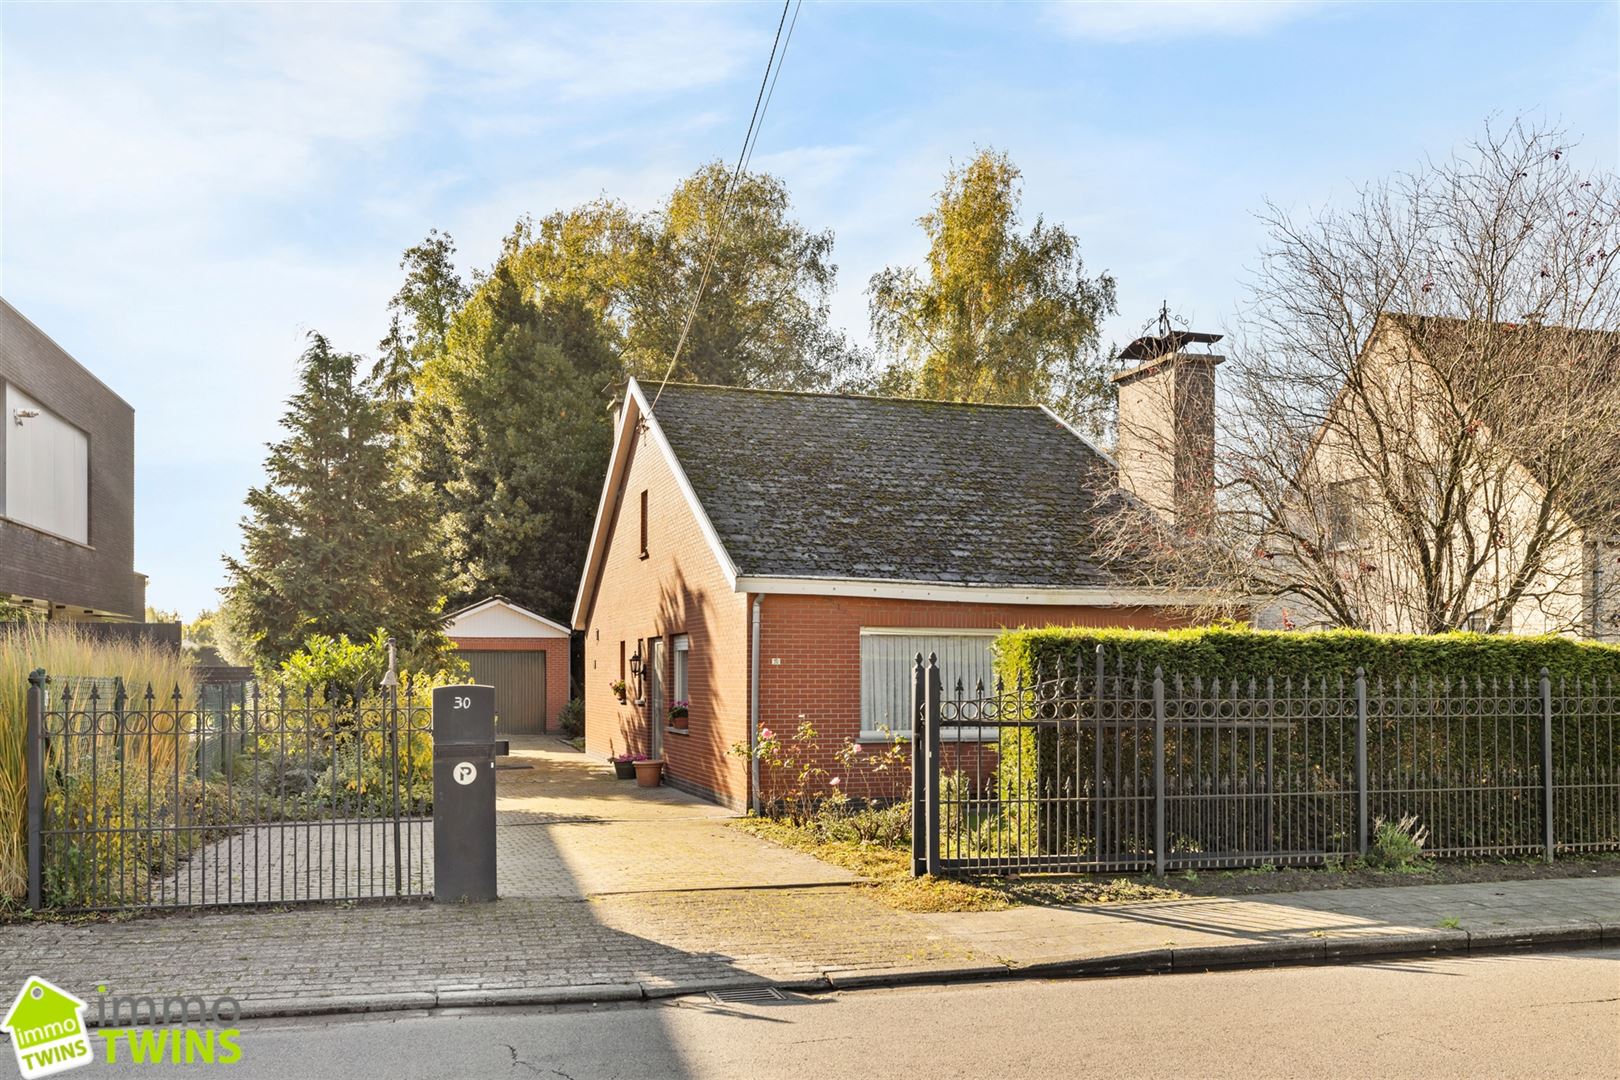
{"x":519,"y":679}
{"x":237,"y":797}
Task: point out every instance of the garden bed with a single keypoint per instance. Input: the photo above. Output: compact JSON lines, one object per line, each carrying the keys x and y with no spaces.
{"x":887,"y":870}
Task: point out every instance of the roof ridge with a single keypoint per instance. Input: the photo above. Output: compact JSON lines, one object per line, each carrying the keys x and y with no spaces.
{"x":1034,"y":406}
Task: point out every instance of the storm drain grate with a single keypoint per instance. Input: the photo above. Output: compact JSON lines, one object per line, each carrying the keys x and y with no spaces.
{"x":752,"y":995}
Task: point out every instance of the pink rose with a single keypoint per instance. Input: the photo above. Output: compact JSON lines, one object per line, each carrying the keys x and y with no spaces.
{"x":835,"y":781}
{"x":766,"y":733}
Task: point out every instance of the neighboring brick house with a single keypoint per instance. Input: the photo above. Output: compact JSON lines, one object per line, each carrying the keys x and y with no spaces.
{"x":772,"y":555}
{"x":523,"y":655}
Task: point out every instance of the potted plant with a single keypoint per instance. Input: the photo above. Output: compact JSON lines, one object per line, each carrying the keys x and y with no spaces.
{"x":677,"y":715}
{"x":618,"y":688}
{"x":624,"y":765}
{"x":649,"y":772}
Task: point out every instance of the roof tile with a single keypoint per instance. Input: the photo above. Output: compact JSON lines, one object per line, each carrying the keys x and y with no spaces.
{"x":832,"y":486}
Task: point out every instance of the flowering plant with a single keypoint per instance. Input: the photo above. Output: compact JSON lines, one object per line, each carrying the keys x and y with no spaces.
{"x":618,"y":688}
{"x":625,"y":758}
{"x":677,"y":711}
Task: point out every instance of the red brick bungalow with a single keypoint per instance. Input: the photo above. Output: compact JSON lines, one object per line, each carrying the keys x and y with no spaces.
{"x":771,"y":555}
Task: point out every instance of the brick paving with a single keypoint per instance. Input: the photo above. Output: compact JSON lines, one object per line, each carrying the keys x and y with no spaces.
{"x":292,"y":861}
{"x":612,"y":890}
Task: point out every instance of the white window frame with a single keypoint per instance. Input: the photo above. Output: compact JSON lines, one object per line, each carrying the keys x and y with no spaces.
{"x":871,"y":734}
{"x":680,"y":687}
{"x":48,"y":487}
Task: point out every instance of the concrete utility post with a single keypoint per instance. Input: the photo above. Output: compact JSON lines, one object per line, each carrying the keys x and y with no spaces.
{"x":464,"y":752}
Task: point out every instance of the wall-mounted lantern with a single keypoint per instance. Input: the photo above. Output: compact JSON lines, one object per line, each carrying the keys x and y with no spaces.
{"x":635,"y":671}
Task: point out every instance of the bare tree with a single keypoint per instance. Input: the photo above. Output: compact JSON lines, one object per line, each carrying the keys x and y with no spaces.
{"x":1420,"y":423}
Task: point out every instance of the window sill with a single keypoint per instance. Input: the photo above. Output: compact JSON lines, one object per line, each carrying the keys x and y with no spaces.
{"x":643,"y":555}
{"x":85,"y":544}
{"x":677,"y":730}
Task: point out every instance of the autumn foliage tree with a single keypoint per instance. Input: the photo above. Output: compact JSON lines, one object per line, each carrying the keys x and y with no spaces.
{"x":997,"y":313}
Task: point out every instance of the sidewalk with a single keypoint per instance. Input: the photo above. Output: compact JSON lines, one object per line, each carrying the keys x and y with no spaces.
{"x":613,"y":893}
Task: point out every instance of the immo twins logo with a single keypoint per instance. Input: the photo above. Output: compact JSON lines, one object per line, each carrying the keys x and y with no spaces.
{"x":48,"y":1034}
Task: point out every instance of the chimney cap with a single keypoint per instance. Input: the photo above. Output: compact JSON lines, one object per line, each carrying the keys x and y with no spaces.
{"x":1158,"y":345}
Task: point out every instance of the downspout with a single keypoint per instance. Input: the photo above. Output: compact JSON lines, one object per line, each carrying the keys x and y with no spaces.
{"x":753,"y":712}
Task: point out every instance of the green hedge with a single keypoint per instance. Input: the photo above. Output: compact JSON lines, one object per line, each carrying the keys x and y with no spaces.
{"x":1494,"y":751}
{"x":1233,"y":651}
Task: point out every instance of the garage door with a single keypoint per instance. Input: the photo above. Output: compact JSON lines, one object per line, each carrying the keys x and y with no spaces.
{"x":519,"y":679}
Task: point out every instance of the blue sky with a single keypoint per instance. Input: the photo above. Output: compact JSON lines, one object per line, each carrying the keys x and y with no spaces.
{"x":186,"y":191}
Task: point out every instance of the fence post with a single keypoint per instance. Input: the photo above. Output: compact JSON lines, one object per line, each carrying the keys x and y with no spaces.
{"x":1361,"y":761}
{"x":34,"y":757}
{"x":931,"y":748}
{"x":390,"y":682}
{"x":1546,"y":763}
{"x":919,"y":793}
{"x":1158,"y":772}
{"x":1097,"y":764}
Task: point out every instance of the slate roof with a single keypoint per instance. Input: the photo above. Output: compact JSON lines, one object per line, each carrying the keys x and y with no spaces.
{"x":831,"y":486}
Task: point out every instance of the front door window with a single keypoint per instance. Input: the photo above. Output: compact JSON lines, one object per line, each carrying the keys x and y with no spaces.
{"x":657,"y":707}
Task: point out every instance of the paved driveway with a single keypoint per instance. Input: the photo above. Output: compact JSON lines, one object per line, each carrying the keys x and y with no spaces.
{"x":568,"y":828}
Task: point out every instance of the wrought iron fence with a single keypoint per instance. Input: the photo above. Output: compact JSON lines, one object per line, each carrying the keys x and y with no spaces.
{"x":239,"y":797}
{"x":1115,"y":770}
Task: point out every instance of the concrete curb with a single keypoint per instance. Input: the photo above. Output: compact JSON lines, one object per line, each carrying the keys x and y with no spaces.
{"x":1250,"y":954}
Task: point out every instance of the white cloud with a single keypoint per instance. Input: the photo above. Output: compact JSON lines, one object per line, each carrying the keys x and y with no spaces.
{"x":1145,"y":20}
{"x":607,"y":55}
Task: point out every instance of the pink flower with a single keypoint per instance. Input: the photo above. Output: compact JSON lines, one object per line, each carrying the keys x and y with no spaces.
{"x":854,"y":748}
{"x":834,"y":781}
{"x":766,"y":733}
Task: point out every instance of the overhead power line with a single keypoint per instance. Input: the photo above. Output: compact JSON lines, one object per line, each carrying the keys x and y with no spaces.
{"x":762,"y":102}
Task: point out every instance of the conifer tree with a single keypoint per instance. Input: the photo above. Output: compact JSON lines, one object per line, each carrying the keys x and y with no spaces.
{"x":333,"y":543}
{"x":520,"y":394}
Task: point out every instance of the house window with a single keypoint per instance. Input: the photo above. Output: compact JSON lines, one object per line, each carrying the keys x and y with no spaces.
{"x":1481,"y":624}
{"x":1344,"y":497}
{"x":621,"y":661}
{"x":887,"y":659}
{"x":644,"y":523}
{"x":47,"y":469}
{"x":683,"y":654}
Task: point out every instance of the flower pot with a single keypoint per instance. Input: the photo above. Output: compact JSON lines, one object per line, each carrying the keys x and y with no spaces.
{"x":649,"y":773}
{"x":678,"y":723}
{"x":624,"y":770}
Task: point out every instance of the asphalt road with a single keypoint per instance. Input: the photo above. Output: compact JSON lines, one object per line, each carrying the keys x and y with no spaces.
{"x":1552,"y":1015}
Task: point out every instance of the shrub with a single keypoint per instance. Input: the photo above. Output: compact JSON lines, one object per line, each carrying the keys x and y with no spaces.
{"x":839,"y":819}
{"x":340,"y":670}
{"x":1396,"y":845}
{"x":572,"y":718}
{"x":795,"y":779}
{"x":137,"y":827}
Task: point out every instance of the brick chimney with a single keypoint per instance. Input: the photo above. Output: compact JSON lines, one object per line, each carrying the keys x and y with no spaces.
{"x":1166,"y":451}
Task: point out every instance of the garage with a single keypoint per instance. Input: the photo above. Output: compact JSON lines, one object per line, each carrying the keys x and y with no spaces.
{"x":522,"y":654}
